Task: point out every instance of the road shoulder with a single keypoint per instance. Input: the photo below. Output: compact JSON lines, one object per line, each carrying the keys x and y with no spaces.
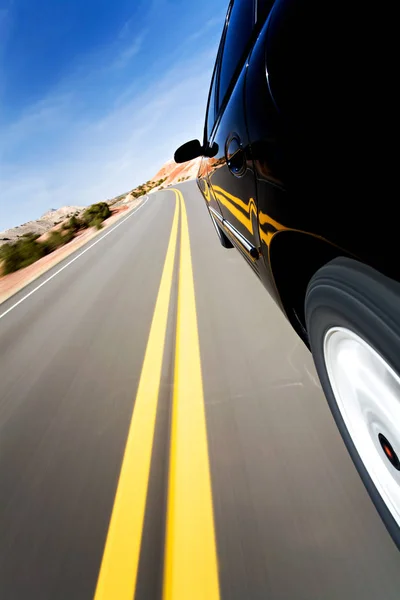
{"x":13,"y":283}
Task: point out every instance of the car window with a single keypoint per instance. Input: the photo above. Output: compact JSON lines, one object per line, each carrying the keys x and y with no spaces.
{"x":210,"y":120}
{"x":237,"y":36}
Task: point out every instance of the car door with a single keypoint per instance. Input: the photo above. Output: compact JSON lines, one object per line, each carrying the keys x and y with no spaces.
{"x":230,"y":172}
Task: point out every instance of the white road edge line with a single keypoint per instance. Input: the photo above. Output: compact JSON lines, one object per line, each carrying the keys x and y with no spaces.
{"x":73,"y":260}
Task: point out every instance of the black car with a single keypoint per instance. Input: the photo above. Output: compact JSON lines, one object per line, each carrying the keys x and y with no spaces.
{"x":298,"y":173}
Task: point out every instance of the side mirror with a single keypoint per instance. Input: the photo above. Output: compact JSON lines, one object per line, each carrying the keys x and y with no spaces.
{"x":188,"y":151}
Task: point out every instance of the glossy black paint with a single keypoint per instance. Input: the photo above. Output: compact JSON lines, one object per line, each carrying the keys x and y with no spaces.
{"x":233,"y":187}
{"x":304,"y":171}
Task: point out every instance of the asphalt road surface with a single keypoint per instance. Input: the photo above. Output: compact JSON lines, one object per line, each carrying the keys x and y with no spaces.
{"x":163,"y":433}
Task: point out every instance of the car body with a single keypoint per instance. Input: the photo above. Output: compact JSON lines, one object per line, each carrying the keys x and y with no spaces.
{"x":297,"y":170}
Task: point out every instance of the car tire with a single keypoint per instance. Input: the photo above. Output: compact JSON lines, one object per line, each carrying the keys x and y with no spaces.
{"x":353,"y":325}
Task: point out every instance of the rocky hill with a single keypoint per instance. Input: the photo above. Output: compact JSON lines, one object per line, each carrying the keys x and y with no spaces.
{"x":169,"y":174}
{"x":40,"y":226}
{"x":175,"y":172}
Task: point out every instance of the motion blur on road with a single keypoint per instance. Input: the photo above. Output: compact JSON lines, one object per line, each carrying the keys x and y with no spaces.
{"x":284,"y":505}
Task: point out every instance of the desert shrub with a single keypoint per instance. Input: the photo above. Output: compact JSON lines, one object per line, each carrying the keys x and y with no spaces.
{"x":2,"y":249}
{"x":21,"y":253}
{"x":54,"y":241}
{"x":98,"y":223}
{"x":27,"y":250}
{"x":95,"y":213}
{"x":68,"y":236}
{"x":75,"y":224}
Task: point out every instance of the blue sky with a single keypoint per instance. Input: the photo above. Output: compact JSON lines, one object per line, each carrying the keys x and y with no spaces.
{"x":95,"y":95}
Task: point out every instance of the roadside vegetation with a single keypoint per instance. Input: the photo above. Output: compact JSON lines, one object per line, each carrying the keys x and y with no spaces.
{"x":28,"y":249}
{"x":21,"y":254}
{"x":145,"y":188}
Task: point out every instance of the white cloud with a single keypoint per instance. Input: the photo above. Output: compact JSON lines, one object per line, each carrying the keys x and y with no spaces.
{"x":125,"y":29}
{"x":214,"y":22}
{"x":129,"y":52}
{"x":92,"y":138}
{"x":94,"y":161}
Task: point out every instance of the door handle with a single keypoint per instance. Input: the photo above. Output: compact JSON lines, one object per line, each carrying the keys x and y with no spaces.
{"x":235,"y":156}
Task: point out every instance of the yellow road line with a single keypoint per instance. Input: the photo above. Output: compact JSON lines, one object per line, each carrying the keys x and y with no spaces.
{"x":118,"y":572}
{"x":191,"y":568}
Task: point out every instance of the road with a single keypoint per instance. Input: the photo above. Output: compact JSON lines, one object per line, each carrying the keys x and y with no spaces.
{"x":163,"y":433}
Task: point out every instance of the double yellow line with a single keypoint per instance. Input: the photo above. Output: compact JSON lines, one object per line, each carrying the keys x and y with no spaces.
{"x":190,"y":560}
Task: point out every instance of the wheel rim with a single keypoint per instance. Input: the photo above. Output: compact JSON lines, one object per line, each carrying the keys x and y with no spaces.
{"x":367,"y":392}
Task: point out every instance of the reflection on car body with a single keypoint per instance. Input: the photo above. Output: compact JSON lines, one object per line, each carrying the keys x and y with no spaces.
{"x":298,"y":175}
